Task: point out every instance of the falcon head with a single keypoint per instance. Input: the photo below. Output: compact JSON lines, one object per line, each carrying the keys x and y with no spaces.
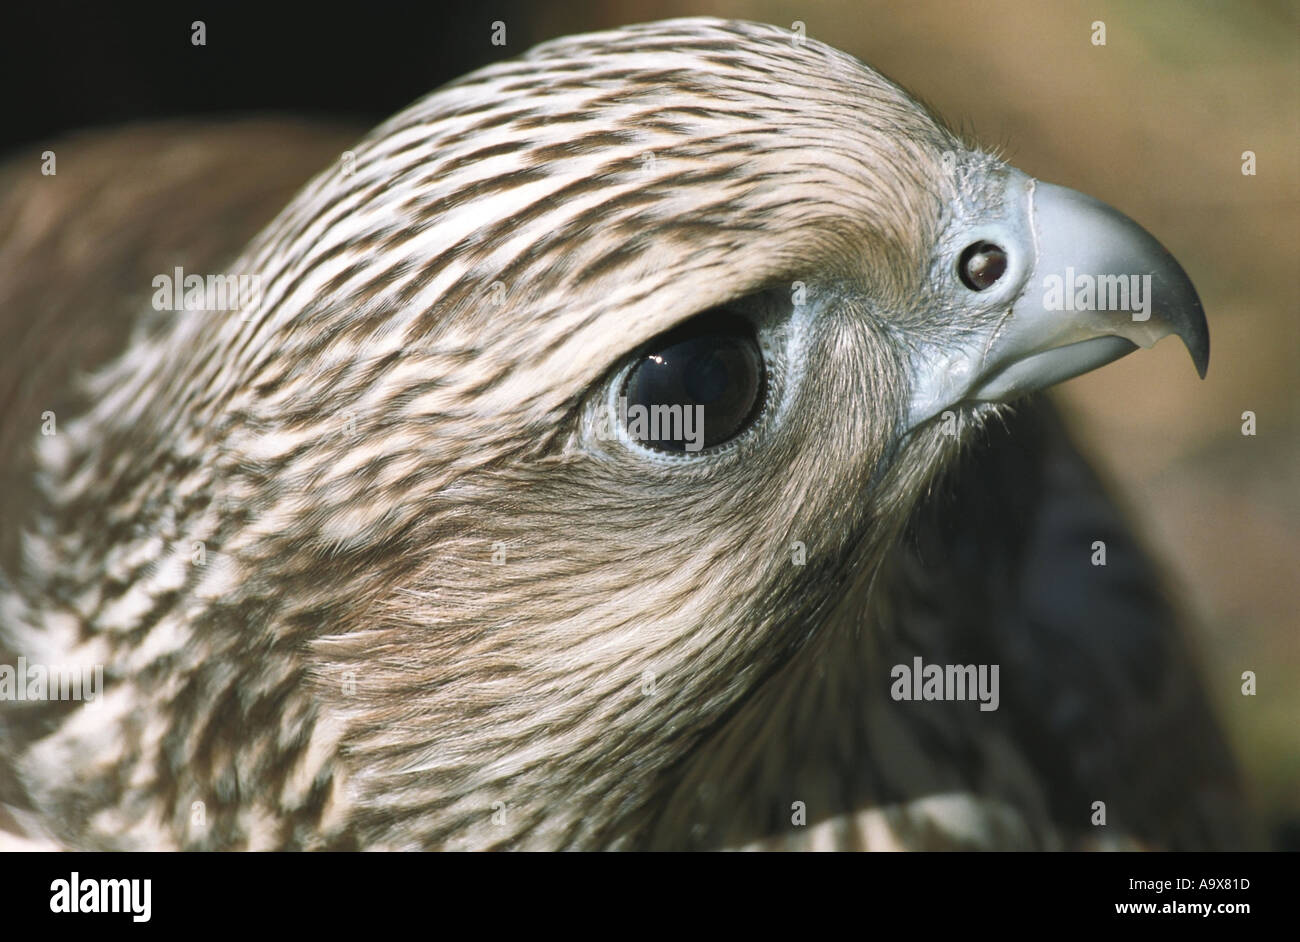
{"x":388,"y":560}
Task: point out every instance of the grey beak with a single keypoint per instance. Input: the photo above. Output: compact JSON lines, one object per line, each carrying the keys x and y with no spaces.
{"x":1101,"y":286}
{"x":1086,"y":285}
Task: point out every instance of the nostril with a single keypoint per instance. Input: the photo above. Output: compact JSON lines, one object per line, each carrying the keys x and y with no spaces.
{"x":981,"y":264}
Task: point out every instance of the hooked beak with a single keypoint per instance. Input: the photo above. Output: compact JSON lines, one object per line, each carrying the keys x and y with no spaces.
{"x":1093,"y":287}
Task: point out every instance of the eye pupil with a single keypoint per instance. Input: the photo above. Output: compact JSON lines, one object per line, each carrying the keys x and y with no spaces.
{"x":706,"y":377}
{"x":981,"y":265}
{"x":697,"y":386}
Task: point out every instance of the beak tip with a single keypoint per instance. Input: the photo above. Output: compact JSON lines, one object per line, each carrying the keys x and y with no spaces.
{"x":1196,"y":337}
{"x":1198,"y":347}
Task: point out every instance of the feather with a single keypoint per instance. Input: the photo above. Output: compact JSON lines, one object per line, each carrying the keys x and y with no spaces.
{"x":360,"y":572}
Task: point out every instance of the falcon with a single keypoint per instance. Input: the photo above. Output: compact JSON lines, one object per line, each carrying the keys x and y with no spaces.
{"x":631,"y":445}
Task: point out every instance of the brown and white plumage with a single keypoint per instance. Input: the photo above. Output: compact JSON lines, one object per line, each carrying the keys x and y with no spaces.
{"x":415,"y":399}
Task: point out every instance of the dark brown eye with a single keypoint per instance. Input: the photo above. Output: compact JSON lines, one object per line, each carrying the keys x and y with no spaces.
{"x":981,"y":265}
{"x":696,"y":387}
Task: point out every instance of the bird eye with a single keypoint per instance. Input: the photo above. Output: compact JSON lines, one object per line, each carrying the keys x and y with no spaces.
{"x":981,"y":265}
{"x":695,"y":387}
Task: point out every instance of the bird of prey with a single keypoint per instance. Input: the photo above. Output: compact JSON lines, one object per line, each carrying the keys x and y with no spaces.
{"x":631,"y":445}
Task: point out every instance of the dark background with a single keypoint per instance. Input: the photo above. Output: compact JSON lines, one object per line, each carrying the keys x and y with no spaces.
{"x":67,"y":67}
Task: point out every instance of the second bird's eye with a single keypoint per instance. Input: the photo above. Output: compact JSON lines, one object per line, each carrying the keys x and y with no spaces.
{"x":981,"y":265}
{"x":696,"y":387}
